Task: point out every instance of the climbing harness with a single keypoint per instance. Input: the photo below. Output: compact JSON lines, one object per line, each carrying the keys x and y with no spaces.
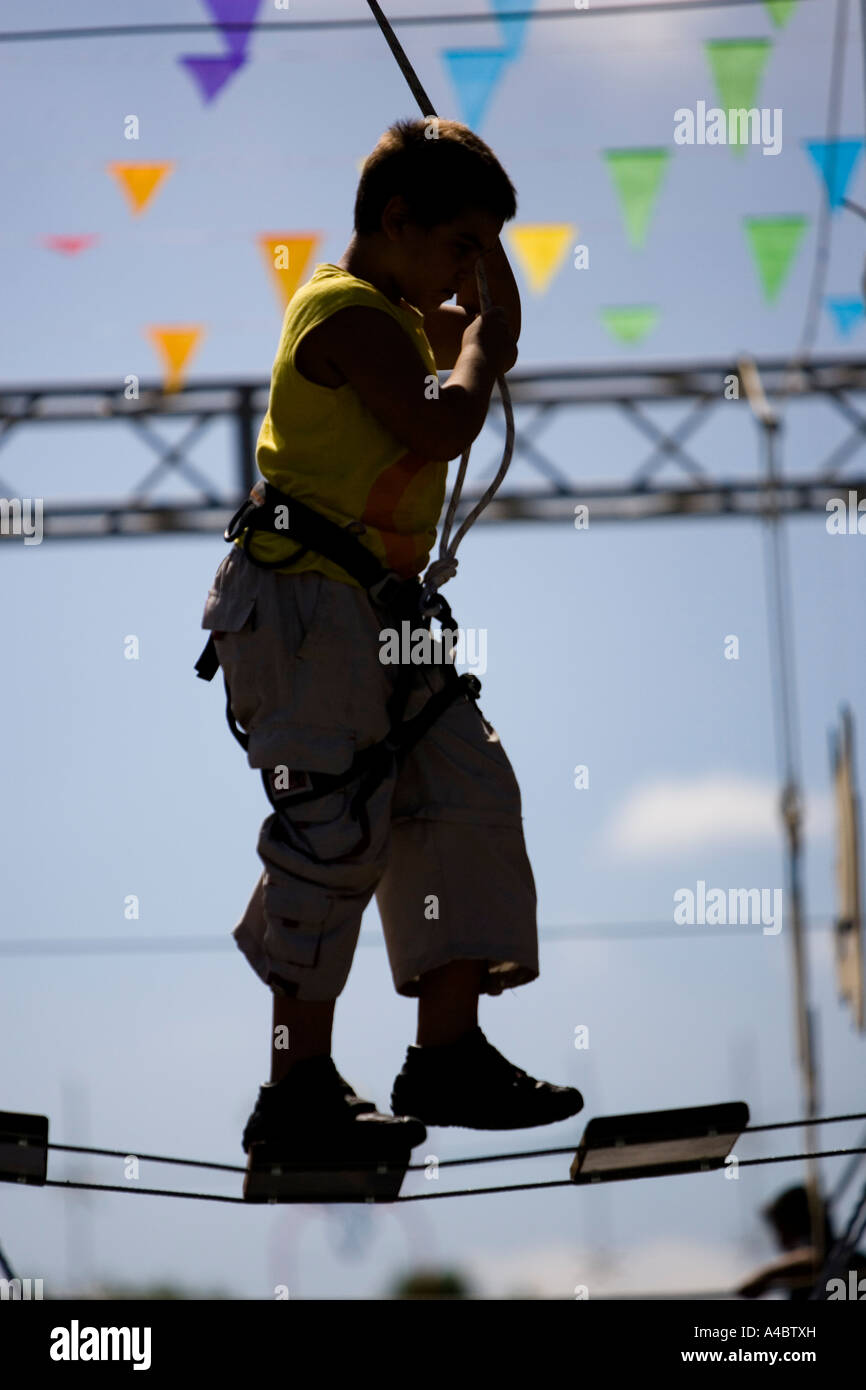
{"x":269,"y":509}
{"x":417,"y":600}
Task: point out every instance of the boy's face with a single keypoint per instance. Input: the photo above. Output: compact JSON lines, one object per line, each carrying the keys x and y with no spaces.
{"x":431,"y":265}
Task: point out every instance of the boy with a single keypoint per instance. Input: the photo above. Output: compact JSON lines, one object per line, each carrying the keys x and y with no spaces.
{"x":799,"y":1268}
{"x":358,"y":430}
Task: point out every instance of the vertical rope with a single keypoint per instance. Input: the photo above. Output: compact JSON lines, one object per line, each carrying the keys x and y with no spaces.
{"x":445,"y":567}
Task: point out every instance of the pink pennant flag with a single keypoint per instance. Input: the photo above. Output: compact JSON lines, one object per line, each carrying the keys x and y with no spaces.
{"x":70,"y":245}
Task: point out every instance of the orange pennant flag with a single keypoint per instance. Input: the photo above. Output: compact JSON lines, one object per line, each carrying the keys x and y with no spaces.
{"x":288,"y":255}
{"x":140,"y":181}
{"x":175,"y":345}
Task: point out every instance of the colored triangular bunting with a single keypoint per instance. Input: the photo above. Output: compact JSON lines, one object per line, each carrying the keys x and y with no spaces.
{"x":637,"y":175}
{"x":774,"y":242}
{"x":175,"y":345}
{"x":70,"y":245}
{"x":234,"y":12}
{"x":212,"y":74}
{"x":287,"y":255}
{"x":780,"y":11}
{"x":738,"y":65}
{"x":836,"y":160}
{"x":475,"y":72}
{"x":629,"y":322}
{"x":541,"y":249}
{"x":847,"y":311}
{"x":513,"y":30}
{"x":140,"y":181}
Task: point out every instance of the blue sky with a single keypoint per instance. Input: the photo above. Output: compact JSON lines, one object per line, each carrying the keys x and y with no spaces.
{"x":605,"y":647}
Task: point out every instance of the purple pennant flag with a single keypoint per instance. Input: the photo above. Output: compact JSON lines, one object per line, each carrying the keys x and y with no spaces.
{"x":234,"y":12}
{"x":212,"y":74}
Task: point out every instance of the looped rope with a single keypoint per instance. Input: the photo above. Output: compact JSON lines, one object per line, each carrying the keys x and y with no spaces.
{"x":445,"y":567}
{"x":439,"y":571}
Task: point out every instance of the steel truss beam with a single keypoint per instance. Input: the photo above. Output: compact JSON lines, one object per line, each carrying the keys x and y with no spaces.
{"x":539,"y":396}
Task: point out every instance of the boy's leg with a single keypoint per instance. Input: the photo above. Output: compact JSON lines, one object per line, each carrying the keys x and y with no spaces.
{"x":299,"y":653}
{"x":458,"y":909}
{"x":458,"y":886}
{"x":301,"y":1029}
{"x":448,"y":1001}
{"x":308,"y":690}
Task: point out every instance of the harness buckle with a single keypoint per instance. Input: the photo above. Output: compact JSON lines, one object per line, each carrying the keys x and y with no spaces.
{"x":236,"y":525}
{"x":431,"y":604}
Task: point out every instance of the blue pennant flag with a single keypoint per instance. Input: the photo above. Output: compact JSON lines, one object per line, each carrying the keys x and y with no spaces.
{"x":513,"y":30}
{"x":847,"y":311}
{"x":836,"y":160}
{"x":475,"y":72}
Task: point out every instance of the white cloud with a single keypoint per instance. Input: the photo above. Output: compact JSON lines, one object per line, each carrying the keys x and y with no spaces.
{"x":717,"y":809}
{"x":662,"y":1266}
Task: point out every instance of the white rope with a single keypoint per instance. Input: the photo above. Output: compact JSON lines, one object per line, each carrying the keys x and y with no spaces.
{"x":445,"y":567}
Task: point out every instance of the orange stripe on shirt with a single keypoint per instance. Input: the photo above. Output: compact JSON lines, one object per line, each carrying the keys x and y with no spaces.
{"x":383,"y":499}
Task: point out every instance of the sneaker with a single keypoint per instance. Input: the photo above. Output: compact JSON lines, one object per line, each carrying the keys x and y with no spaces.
{"x":469,"y":1083}
{"x":313,"y":1113}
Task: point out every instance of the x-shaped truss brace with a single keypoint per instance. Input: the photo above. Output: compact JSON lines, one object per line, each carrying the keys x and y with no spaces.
{"x":668,"y":445}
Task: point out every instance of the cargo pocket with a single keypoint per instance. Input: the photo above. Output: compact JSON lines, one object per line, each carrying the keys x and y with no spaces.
{"x":231,"y":599}
{"x":283,"y":925}
{"x":295,"y":915}
{"x":262,"y":629}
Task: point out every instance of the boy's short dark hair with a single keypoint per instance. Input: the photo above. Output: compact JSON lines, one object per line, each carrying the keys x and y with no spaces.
{"x":790,"y":1216}
{"x":441,"y":168}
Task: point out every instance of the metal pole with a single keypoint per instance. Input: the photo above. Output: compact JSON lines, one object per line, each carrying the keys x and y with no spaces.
{"x":782,"y":646}
{"x":246,"y":443}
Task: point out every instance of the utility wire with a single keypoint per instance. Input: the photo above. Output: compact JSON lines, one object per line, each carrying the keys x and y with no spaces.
{"x":845,"y":1245}
{"x":594,"y":11}
{"x":159,"y":945}
{"x":850,"y":1168}
{"x":825,"y":216}
{"x":5,"y":1267}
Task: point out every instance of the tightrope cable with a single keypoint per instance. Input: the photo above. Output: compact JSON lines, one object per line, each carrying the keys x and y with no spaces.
{"x":426,"y":1196}
{"x":445,"y":1162}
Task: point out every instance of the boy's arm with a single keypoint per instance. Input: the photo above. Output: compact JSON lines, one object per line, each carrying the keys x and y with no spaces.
{"x":374,"y":356}
{"x":792,"y":1265}
{"x":446,"y":325}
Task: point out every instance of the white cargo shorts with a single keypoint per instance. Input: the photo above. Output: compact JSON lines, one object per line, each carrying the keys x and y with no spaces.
{"x":444,"y":850}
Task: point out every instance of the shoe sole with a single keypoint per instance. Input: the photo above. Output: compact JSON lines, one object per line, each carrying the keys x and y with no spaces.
{"x":462,"y":1123}
{"x":400,"y":1134}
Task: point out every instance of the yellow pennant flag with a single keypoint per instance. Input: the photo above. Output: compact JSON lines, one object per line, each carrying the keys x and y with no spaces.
{"x":287,"y":255}
{"x":175,"y":345}
{"x":140,"y":181}
{"x":541,"y":249}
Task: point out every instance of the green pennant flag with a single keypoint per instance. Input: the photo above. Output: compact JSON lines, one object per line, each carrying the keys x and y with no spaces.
{"x":774,"y":242}
{"x":780,"y":11}
{"x":738,"y":66}
{"x":637,"y":175}
{"x":629,"y":322}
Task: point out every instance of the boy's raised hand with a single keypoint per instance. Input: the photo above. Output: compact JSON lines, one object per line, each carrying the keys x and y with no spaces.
{"x":490,"y":333}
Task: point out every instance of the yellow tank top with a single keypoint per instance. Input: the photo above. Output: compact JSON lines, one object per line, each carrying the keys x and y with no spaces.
{"x":323,"y":446}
